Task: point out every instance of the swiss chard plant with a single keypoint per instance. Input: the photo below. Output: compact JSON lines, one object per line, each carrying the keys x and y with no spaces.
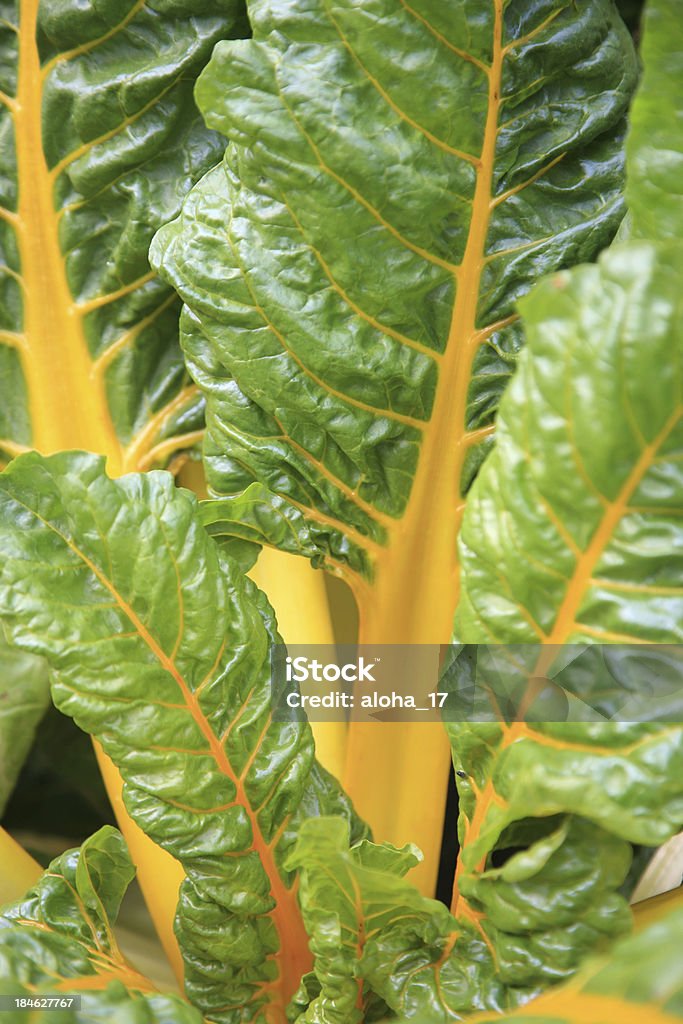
{"x":359,"y":278}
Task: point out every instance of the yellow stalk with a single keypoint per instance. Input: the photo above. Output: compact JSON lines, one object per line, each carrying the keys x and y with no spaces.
{"x":18,"y":870}
{"x":397,"y":774}
{"x":159,"y":873}
{"x":650,"y":911}
{"x":416,"y":587}
{"x":298,"y":595}
{"x":66,"y":386}
{"x":69,"y":409}
{"x":67,"y":402}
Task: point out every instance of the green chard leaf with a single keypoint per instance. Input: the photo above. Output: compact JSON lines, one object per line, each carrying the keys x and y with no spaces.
{"x":641,"y":980}
{"x":161,"y":648}
{"x":59,"y":940}
{"x":24,"y":699}
{"x":397,"y":175}
{"x":375,"y":937}
{"x":573,"y":536}
{"x":100,"y":142}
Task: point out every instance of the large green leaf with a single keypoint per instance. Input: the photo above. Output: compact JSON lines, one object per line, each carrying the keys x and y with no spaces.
{"x":574,"y":534}
{"x":24,"y":699}
{"x":100,"y":141}
{"x":59,"y":940}
{"x":396,"y":176}
{"x":161,"y":649}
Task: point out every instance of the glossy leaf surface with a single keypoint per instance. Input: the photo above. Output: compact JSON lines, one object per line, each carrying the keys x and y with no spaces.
{"x":59,"y":939}
{"x":161,"y":650}
{"x":587,"y":468}
{"x":395,"y":179}
{"x":572,"y":535}
{"x":100,"y":141}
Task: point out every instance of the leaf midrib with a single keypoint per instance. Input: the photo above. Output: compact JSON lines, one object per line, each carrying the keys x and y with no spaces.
{"x":417,"y":585}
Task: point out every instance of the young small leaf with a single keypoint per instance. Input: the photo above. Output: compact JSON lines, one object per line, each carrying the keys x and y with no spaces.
{"x":59,"y":940}
{"x":375,"y":937}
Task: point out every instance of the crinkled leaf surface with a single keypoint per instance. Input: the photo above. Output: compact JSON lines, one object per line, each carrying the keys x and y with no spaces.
{"x":573,"y":535}
{"x":161,"y":650}
{"x":59,"y":939}
{"x":641,"y":980}
{"x":587,"y":468}
{"x":100,"y":141}
{"x":374,"y":935}
{"x":24,"y":699}
{"x":397,"y":175}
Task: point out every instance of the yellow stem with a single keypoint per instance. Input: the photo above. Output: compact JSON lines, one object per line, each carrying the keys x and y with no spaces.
{"x":298,"y":595}
{"x":397,"y":774}
{"x":18,"y":870}
{"x":159,"y":873}
{"x":416,"y":587}
{"x":650,"y":911}
{"x":67,"y":404}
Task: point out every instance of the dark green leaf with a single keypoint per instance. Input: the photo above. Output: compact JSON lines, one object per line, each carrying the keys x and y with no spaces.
{"x":396,"y":178}
{"x":100,"y":141}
